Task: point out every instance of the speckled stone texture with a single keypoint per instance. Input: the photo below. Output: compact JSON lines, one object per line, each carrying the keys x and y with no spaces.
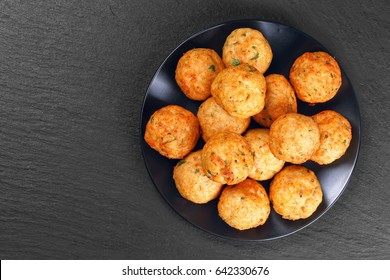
{"x":73,"y":75}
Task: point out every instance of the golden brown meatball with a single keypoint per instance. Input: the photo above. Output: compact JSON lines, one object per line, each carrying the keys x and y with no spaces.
{"x":226,"y":158}
{"x":279,"y":100}
{"x":213,"y":119}
{"x":316,"y":77}
{"x":191,"y":180}
{"x":294,"y":138}
{"x":245,"y":205}
{"x":295,"y":192}
{"x":266,"y":165}
{"x":196,"y":70}
{"x":335,"y":136}
{"x":240,"y":90}
{"x":246,"y":45}
{"x":172,"y":131}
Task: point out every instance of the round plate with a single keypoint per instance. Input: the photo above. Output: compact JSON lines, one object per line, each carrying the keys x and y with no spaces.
{"x":287,"y":44}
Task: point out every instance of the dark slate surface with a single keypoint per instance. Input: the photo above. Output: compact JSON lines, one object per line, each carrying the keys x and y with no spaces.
{"x":73,"y":75}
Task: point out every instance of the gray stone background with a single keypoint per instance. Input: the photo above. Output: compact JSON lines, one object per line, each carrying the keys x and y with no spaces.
{"x":73,"y":75}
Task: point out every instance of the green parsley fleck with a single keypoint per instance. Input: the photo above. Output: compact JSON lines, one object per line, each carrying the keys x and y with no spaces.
{"x":181,"y":162}
{"x":196,"y":171}
{"x":242,"y":197}
{"x":236,"y":62}
{"x":169,"y":141}
{"x":212,"y":68}
{"x":255,"y":57}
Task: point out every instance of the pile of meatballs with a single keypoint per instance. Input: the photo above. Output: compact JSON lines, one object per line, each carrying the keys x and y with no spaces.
{"x":234,"y":159}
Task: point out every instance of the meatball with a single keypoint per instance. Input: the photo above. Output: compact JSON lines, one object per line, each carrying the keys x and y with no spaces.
{"x":191,"y":180}
{"x":172,"y":131}
{"x":240,"y":90}
{"x":246,"y":45}
{"x":316,"y":77}
{"x":295,"y":192}
{"x":245,"y":205}
{"x":227,"y":158}
{"x":335,"y":136}
{"x":294,"y":138}
{"x":196,"y":70}
{"x":279,"y":100}
{"x":266,"y":165}
{"x":213,"y":119}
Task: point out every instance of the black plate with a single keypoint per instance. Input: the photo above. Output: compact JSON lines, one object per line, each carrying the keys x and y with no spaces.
{"x":287,"y":44}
